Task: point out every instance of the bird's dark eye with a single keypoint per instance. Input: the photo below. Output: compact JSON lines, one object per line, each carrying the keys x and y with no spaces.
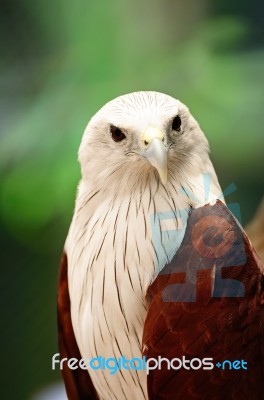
{"x":117,"y":134}
{"x":176,"y":123}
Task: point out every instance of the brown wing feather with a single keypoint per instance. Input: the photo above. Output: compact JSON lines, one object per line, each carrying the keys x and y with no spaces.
{"x":184,"y":318}
{"x":77,"y":382}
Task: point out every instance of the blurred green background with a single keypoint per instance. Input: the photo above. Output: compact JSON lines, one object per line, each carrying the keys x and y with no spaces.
{"x":60,"y":62}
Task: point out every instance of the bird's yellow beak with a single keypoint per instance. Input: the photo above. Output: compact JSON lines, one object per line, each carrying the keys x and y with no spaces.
{"x":155,"y":151}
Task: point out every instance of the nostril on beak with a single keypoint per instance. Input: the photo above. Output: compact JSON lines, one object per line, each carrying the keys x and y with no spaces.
{"x":150,"y":134}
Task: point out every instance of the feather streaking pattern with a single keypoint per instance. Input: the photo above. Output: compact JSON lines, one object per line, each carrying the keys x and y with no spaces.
{"x":111,"y":254}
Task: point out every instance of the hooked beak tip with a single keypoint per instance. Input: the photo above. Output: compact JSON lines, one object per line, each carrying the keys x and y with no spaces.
{"x":157,"y":155}
{"x":163,"y":177}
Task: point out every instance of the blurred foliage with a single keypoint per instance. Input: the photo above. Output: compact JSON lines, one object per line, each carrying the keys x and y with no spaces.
{"x":60,"y":62}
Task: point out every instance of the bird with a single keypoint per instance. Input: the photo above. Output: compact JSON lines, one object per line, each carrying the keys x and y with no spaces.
{"x":155,"y":265}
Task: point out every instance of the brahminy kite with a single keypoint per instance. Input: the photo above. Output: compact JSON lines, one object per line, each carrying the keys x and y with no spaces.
{"x":158,"y":279}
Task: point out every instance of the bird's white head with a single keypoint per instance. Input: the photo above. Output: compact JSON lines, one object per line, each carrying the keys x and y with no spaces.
{"x":139,"y":136}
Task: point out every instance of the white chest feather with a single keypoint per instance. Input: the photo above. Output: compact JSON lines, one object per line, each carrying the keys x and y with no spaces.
{"x":112,"y":257}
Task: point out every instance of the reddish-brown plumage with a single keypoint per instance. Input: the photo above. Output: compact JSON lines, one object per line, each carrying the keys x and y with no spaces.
{"x":77,"y":382}
{"x":188,"y":320}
